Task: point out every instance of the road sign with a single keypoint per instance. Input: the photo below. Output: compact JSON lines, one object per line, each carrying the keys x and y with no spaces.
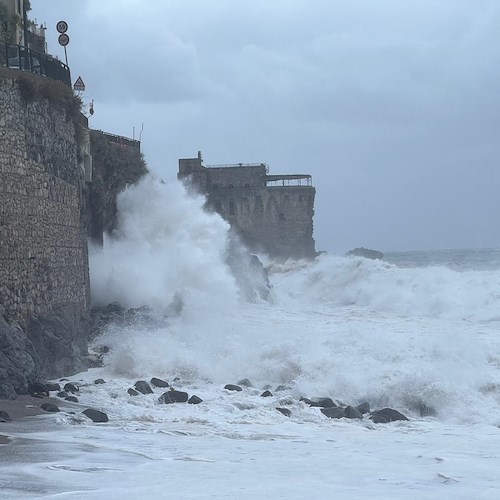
{"x":62,"y":26}
{"x":63,"y":39}
{"x":79,"y":85}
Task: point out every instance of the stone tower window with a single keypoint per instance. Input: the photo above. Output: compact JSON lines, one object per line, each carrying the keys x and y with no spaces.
{"x":232,"y":207}
{"x":247,"y":186}
{"x":231,"y":186}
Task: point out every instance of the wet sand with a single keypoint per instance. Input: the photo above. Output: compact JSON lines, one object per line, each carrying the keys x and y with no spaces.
{"x":24,"y":406}
{"x":21,"y":409}
{"x":4,"y":439}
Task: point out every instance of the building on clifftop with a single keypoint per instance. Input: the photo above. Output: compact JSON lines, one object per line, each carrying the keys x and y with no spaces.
{"x":271,"y":213}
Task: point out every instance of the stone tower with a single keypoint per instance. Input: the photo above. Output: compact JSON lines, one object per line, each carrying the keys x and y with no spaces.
{"x":271,"y":213}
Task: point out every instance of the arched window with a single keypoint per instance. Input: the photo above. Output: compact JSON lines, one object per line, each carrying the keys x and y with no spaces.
{"x":247,"y":186}
{"x":231,"y":186}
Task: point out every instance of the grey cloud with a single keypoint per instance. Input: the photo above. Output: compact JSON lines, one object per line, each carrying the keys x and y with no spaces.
{"x":392,"y":106}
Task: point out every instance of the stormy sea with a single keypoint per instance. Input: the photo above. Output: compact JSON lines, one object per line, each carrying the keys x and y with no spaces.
{"x":417,"y":332}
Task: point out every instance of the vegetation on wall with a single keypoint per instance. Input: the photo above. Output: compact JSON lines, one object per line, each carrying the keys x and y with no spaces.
{"x":8,"y":24}
{"x":36,"y":88}
{"x":115,"y":166}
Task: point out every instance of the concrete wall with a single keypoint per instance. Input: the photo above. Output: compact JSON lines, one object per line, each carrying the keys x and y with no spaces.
{"x":43,"y":247}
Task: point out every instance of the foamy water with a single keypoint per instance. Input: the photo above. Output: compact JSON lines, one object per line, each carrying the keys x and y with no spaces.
{"x":352,"y":329}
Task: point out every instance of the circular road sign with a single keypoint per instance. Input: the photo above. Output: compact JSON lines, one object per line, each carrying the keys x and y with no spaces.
{"x":63,"y":39}
{"x":62,"y":26}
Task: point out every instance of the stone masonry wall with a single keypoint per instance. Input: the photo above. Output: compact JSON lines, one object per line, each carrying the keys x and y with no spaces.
{"x":275,"y":219}
{"x":43,"y":247}
{"x":236,"y":176}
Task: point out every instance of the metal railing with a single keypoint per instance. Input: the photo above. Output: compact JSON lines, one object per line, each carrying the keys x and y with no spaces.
{"x":289,"y":182}
{"x":24,"y":59}
{"x":120,"y":139}
{"x":238,"y":165}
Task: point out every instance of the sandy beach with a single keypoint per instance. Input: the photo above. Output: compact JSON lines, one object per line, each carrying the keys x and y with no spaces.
{"x":20,"y":409}
{"x":24,"y":406}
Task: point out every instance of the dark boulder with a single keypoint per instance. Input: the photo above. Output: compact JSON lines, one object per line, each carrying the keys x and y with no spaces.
{"x":366,"y":253}
{"x":351,"y":412}
{"x":266,"y":394}
{"x":195,"y":400}
{"x":364,"y":407}
{"x":281,"y":388}
{"x":170,"y":397}
{"x":319,"y":402}
{"x":73,"y":399}
{"x":38,"y":389}
{"x":336,"y":412}
{"x":72,"y":388}
{"x":4,"y":416}
{"x":116,"y":314}
{"x":52,"y":386}
{"x":231,"y":387}
{"x":285,"y":411}
{"x":324,"y":403}
{"x":386,"y":415}
{"x":143,"y":387}
{"x":417,"y":405}
{"x":50,"y":407}
{"x":99,"y":381}
{"x":115,"y":308}
{"x":95,"y":415}
{"x":62,"y":394}
{"x":245,"y":383}
{"x":158,"y":382}
{"x":427,"y":411}
{"x":132,"y":392}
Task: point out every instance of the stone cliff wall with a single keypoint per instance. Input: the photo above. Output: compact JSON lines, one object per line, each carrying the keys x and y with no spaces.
{"x":44,"y":283}
{"x":276,"y":219}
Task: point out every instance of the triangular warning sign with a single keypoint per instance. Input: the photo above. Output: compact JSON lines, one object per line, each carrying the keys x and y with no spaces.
{"x":79,"y":85}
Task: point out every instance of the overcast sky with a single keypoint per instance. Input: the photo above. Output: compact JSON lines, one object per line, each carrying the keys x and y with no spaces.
{"x":393,"y":106}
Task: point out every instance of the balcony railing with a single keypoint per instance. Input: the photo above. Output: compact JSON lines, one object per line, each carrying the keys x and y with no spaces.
{"x":21,"y":58}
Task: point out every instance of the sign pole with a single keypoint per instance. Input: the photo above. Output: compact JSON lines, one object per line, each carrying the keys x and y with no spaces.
{"x":62,"y":27}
